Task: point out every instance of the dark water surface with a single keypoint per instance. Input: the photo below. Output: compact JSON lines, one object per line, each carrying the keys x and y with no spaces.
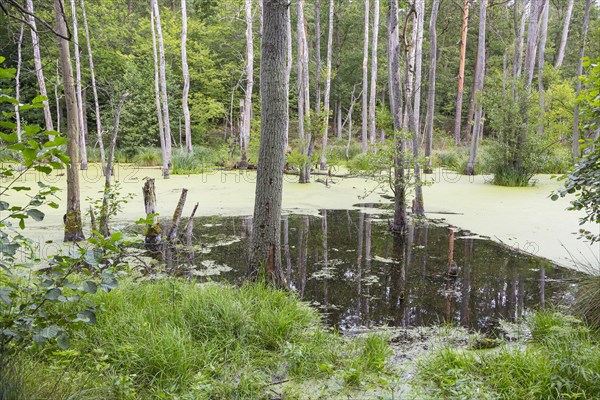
{"x":348,"y":266}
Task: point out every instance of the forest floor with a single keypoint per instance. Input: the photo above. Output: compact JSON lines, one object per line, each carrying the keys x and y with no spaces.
{"x":523,"y":218}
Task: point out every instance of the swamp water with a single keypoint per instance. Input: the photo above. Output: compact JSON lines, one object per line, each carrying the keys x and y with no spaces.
{"x":347,"y":264}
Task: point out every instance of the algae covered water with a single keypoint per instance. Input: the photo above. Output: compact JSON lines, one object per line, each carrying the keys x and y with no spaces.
{"x":357,"y":274}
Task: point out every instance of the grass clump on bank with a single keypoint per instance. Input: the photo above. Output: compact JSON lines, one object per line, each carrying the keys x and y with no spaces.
{"x":558,"y":358}
{"x":178,"y":339}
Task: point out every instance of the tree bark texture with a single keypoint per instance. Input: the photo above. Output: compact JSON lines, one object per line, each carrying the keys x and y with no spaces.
{"x":560,"y":55}
{"x":186,"y":79}
{"x":373,"y":88}
{"x":247,"y":112}
{"x":327,"y":98}
{"x":431,"y":85}
{"x":365,"y":83}
{"x":82,"y":122}
{"x":584,"y":30}
{"x":72,"y":218}
{"x":265,"y":252}
{"x":461,"y":72}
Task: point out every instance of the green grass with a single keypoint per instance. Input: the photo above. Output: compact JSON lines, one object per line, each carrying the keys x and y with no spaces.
{"x":560,"y":360}
{"x":587,"y":295}
{"x":177,"y":339}
{"x":148,"y":157}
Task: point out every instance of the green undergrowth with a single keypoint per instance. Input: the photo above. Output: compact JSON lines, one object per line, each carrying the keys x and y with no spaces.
{"x":177,"y":339}
{"x":550,"y":356}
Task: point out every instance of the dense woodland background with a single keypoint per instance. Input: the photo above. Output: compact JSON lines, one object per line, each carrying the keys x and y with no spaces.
{"x":121,"y":43}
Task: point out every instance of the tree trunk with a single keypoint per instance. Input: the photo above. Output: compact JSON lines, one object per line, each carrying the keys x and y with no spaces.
{"x":541,"y":63}
{"x":420,"y":9}
{"x":373,"y":94}
{"x":309,"y":138}
{"x":461,"y":72}
{"x":247,"y":112}
{"x":586,"y":20}
{"x":431,"y":85}
{"x":399,"y":224}
{"x":479,"y":75}
{"x":365,"y":84}
{"x":163,"y":88}
{"x":176,"y":220}
{"x":265,"y":243}
{"x":318,"y":68}
{"x":519,"y":35}
{"x":82,"y":123}
{"x":159,"y":113}
{"x":37,"y":61}
{"x":104,"y":215}
{"x":560,"y":55}
{"x":72,"y":218}
{"x":153,"y":231}
{"x":94,"y":89}
{"x":300,"y":36}
{"x":186,"y":79}
{"x":327,"y":87}
{"x":56,"y":96}
{"x":532,"y":40}
{"x":18,"y":82}
{"x":290,"y":55}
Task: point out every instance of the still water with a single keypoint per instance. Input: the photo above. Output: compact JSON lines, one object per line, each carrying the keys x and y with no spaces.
{"x":346,"y":264}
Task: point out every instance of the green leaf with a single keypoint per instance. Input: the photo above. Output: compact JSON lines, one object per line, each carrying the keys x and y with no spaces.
{"x":63,"y":341}
{"x":4,"y":205}
{"x":39,"y":99}
{"x":87,"y":316}
{"x":4,"y":296}
{"x":50,"y":332}
{"x":36,"y":214}
{"x":89,"y":287}
{"x":53,"y":294}
{"x":58,"y":141}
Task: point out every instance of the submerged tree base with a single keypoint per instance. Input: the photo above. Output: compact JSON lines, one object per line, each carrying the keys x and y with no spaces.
{"x":73,"y":227}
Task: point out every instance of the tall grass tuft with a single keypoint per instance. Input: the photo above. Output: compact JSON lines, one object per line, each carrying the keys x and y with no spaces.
{"x":148,"y":157}
{"x":587,"y":295}
{"x":178,"y":339}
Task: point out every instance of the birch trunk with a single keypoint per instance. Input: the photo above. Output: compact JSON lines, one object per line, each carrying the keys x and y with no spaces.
{"x":461,"y":72}
{"x":479,"y":74}
{"x":586,"y":21}
{"x":420,"y":9}
{"x":265,"y":245}
{"x":519,"y":35}
{"x":532,"y":40}
{"x":560,"y":55}
{"x":82,"y":123}
{"x":327,"y":86}
{"x":290,"y":55}
{"x":365,"y":84}
{"x":409,"y":57}
{"x":373,"y":94}
{"x":247,"y":112}
{"x":37,"y":62}
{"x":309,"y":139}
{"x":318,"y":68}
{"x":300,"y":35}
{"x":431,"y":85}
{"x":186,"y":79}
{"x":163,"y":88}
{"x":399,"y":223}
{"x":541,"y":62}
{"x":159,"y":113}
{"x":18,"y":82}
{"x":72,"y":218}
{"x":94,"y":89}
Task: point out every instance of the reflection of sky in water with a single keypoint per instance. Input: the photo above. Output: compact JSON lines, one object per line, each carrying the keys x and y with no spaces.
{"x":349,"y":266}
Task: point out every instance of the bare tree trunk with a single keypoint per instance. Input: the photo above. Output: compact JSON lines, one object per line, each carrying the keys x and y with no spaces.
{"x":82,"y":123}
{"x":56,"y":96}
{"x":309,"y":138}
{"x":353,"y":100}
{"x":37,"y":61}
{"x":159,"y":113}
{"x":409,"y":57}
{"x":104,"y":215}
{"x":399,"y":224}
{"x":290,"y":56}
{"x":373,"y":94}
{"x":418,"y":207}
{"x":301,"y":36}
{"x":318,"y":68}
{"x":247,"y":112}
{"x":365,"y":85}
{"x":479,"y":75}
{"x":420,"y":9}
{"x":153,"y":231}
{"x":586,"y":21}
{"x":163,"y":88}
{"x":72,"y":218}
{"x":172,"y":233}
{"x":431,"y":85}
{"x":265,"y":244}
{"x":327,"y":86}
{"x":461,"y":71}
{"x":532,"y":40}
{"x":560,"y":55}
{"x":18,"y":82}
{"x":186,"y":79}
{"x":94,"y":89}
{"x":519,"y":35}
{"x":541,"y":63}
